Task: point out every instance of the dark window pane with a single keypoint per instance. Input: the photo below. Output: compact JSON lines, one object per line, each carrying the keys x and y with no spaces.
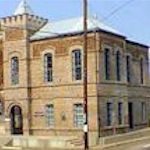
{"x":76,"y":65}
{"x":128,"y":65}
{"x":118,"y":66}
{"x":141,"y":70}
{"x":107,"y":64}
{"x":109,"y":114}
{"x":120,"y":113}
{"x":15,"y":70}
{"x":48,"y":67}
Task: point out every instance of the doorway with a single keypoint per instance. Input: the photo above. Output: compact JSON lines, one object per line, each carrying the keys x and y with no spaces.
{"x":16,"y":120}
{"x":130,"y":114}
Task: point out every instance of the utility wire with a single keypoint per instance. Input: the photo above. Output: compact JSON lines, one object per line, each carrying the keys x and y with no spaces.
{"x":58,"y":34}
{"x":117,"y":9}
{"x":104,"y":19}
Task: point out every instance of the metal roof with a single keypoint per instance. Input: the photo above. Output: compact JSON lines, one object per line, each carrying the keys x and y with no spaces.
{"x":23,"y":8}
{"x":73,"y":25}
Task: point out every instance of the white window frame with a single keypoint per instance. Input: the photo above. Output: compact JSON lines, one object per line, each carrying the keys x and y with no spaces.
{"x":78,"y":115}
{"x":50,"y":118}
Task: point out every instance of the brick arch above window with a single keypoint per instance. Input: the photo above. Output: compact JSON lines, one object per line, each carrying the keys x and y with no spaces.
{"x":13,"y":54}
{"x":8,"y":109}
{"x":49,"y":49}
{"x":116,"y":49}
{"x":74,"y":47}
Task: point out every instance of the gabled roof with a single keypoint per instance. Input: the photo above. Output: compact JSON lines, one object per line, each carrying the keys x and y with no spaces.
{"x":74,"y":25}
{"x":23,"y":8}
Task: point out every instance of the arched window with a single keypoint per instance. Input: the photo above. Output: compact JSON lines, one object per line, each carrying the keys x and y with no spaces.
{"x":128,"y":68}
{"x":107,"y":63}
{"x":141,"y":71}
{"x":15,"y":70}
{"x":118,"y":66}
{"x":48,"y":67}
{"x":76,"y":65}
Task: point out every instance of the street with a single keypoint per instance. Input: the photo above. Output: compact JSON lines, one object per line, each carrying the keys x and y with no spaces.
{"x":141,"y":145}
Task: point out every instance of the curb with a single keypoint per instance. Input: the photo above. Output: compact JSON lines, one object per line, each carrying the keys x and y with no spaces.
{"x":120,"y":143}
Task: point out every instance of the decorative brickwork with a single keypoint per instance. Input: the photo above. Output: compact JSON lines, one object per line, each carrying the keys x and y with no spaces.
{"x":14,"y":34}
{"x":61,"y":45}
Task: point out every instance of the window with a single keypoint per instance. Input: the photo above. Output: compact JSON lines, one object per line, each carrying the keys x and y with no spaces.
{"x":107,"y":64}
{"x":50,"y":115}
{"x":15,"y":70}
{"x":143,"y":111}
{"x":109,"y":113}
{"x":120,"y":113}
{"x":77,"y":65}
{"x":141,"y":71}
{"x":128,"y":68}
{"x":118,"y":75}
{"x":78,"y":115}
{"x":48,"y":68}
{"x":1,"y":108}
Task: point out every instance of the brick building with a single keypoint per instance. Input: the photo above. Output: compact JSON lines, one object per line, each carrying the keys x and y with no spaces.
{"x":41,"y":77}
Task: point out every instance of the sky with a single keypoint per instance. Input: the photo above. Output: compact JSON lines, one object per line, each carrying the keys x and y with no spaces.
{"x":133,"y":20}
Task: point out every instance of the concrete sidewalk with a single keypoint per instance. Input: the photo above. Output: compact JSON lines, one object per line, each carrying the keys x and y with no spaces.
{"x":105,"y":142}
{"x":121,"y":144}
{"x":143,"y":144}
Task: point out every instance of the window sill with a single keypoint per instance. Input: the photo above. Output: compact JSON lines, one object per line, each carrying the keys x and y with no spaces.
{"x":137,"y":85}
{"x":48,"y":83}
{"x":129,"y":84}
{"x":112,"y":82}
{"x":117,"y":126}
{"x":50,"y":128}
{"x":77,"y":81}
{"x":14,"y":86}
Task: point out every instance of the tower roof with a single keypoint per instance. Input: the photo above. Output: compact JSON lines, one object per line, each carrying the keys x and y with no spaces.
{"x":23,"y":8}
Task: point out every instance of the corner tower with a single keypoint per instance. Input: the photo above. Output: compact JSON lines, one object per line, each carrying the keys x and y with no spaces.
{"x":24,"y":19}
{"x":17,"y":30}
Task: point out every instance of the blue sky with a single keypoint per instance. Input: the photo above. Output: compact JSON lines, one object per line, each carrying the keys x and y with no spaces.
{"x":132,"y":20}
